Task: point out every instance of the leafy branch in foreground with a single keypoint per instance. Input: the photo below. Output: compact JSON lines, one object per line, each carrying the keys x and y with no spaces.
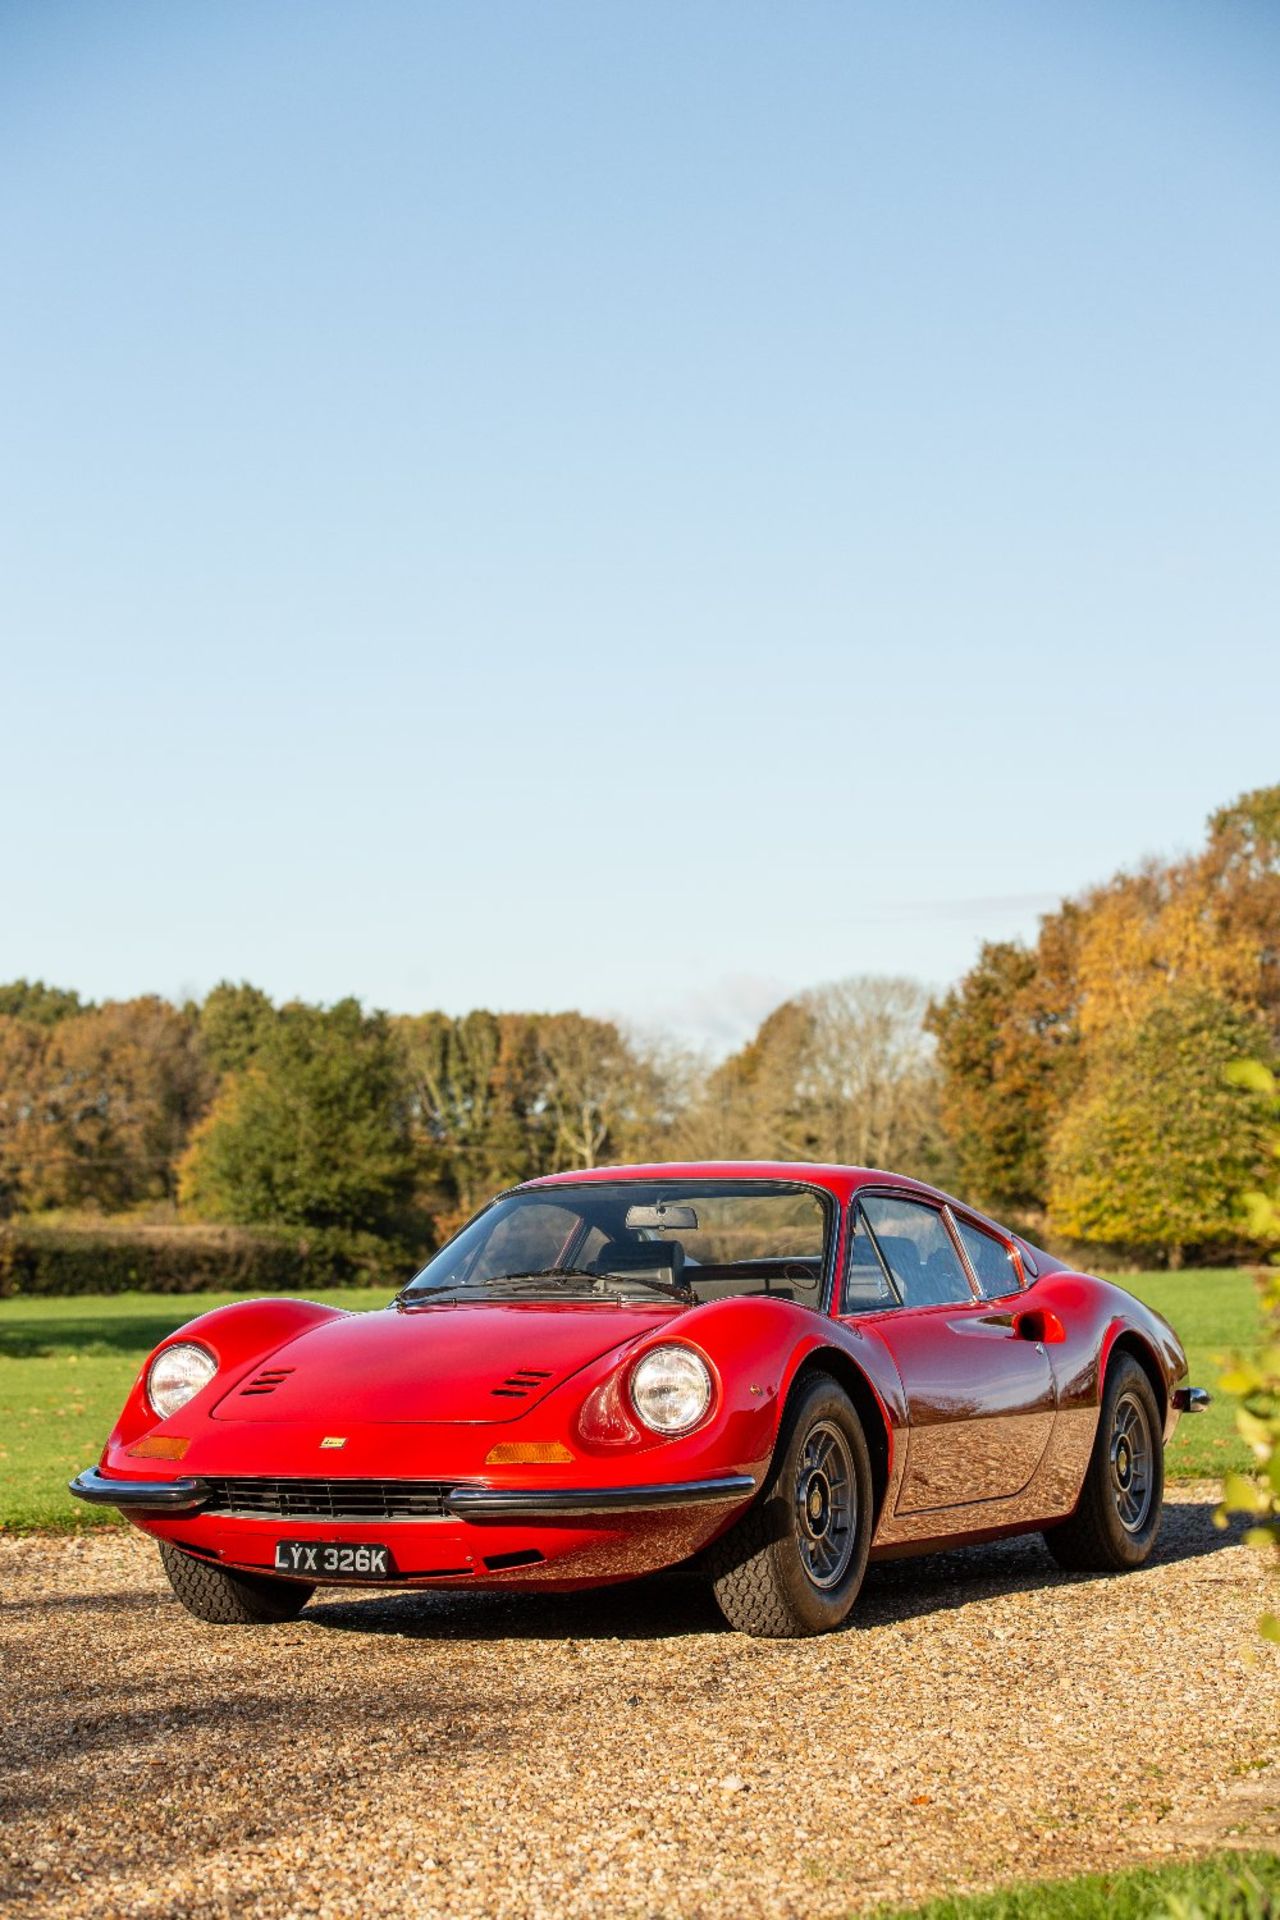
{"x":1256,"y":1383}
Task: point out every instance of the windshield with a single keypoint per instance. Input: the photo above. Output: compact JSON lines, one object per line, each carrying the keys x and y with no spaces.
{"x":686,"y":1239}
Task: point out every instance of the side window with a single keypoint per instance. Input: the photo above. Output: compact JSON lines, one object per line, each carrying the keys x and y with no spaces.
{"x":919,"y":1252}
{"x":990,"y":1260}
{"x":866,"y":1285}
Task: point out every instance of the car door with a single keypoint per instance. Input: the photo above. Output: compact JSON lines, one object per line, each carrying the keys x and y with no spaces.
{"x":980,"y":1395}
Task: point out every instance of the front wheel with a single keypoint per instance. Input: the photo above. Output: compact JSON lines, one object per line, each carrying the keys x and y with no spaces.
{"x":229,"y":1599}
{"x":1115,"y":1525}
{"x":794,"y":1562}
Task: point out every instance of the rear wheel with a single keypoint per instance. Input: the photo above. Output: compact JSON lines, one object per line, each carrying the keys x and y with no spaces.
{"x":229,"y":1599}
{"x":1115,"y":1525}
{"x":794,"y":1562}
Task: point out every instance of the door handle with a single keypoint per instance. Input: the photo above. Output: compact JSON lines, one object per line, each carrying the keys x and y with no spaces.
{"x":1041,"y":1325}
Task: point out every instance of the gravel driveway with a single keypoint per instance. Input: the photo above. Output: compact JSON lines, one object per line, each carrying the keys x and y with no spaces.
{"x":987,"y":1718}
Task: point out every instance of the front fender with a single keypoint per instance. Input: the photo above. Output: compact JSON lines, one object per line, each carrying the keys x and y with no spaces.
{"x":756,"y":1348}
{"x":239,"y":1336}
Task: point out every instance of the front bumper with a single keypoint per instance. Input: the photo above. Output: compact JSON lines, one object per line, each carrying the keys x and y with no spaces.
{"x":462,"y":1502}
{"x":1191,"y":1399}
{"x":137,"y":1496}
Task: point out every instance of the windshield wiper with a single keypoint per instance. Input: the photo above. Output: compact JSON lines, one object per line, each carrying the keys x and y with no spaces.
{"x":558,"y":1277}
{"x":684,"y":1294}
{"x":559,"y":1274}
{"x":517,"y":1282}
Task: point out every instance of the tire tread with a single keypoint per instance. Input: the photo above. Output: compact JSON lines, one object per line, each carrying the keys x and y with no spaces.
{"x":1086,"y":1543}
{"x":227,"y":1599}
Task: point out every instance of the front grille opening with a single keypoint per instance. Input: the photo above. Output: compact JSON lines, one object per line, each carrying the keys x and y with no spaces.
{"x":499,"y":1562}
{"x":290,"y":1499}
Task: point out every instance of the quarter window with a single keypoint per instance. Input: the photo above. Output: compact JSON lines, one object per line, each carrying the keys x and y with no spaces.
{"x":919,"y":1252}
{"x":991,"y":1261}
{"x":866,"y":1284}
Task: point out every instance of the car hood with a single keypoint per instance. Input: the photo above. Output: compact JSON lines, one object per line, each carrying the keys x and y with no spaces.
{"x":476,"y":1363}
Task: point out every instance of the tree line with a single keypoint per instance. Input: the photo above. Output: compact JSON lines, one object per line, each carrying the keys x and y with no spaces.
{"x":1085,"y":1086}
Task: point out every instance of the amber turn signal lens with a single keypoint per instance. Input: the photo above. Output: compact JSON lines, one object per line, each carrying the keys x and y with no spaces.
{"x":528,"y":1453}
{"x":160,"y":1446}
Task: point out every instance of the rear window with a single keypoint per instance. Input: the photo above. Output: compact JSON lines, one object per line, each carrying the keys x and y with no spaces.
{"x":990,"y":1259}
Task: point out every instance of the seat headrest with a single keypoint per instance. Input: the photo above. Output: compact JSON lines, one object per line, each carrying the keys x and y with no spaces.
{"x":661,"y":1257}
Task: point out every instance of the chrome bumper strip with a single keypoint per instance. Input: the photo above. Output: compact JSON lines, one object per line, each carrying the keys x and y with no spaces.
{"x":483,"y":1503}
{"x":1191,"y":1399}
{"x":155,"y":1496}
{"x":463,"y":1503}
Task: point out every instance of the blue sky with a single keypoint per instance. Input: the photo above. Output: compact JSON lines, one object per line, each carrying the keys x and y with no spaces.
{"x":645,"y":507}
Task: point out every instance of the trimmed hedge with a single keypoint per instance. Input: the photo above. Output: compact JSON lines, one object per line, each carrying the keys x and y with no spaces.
{"x":66,"y":1259}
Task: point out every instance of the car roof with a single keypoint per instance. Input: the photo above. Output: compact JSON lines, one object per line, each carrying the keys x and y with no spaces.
{"x":837,"y":1179}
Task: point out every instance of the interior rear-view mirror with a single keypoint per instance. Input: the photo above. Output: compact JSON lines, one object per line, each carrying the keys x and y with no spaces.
{"x":663,"y":1215}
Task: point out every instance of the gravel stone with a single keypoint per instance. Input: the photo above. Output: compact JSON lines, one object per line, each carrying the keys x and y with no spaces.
{"x":986,"y":1718}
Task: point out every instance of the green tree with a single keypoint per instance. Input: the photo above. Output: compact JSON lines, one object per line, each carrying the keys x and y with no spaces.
{"x":1008,"y":1054}
{"x":1159,"y":1149}
{"x":234,"y":1021}
{"x":32,"y":1000}
{"x":312,"y":1131}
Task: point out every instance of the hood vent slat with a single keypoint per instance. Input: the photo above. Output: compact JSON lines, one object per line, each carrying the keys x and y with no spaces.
{"x":520,"y":1384}
{"x":266,"y":1382}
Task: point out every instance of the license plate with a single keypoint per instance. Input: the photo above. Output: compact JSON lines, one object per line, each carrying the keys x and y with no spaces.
{"x":320,"y":1560}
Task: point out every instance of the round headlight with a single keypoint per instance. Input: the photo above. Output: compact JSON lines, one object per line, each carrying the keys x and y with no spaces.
{"x":177,"y":1375}
{"x":671,"y":1389}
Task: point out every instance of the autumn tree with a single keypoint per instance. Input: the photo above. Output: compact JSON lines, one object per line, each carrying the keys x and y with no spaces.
{"x":597,"y":1095}
{"x":98,"y":1104}
{"x":867,"y":1087}
{"x":1242,"y":867}
{"x":472,"y":1087}
{"x":30,"y":1153}
{"x":1156,"y":1154}
{"x":747,"y":1107}
{"x":312,"y":1131}
{"x":843,"y":1073}
{"x":1024,"y":1036}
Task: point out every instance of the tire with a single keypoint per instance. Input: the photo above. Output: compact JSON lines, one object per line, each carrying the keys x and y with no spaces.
{"x":229,"y":1599}
{"x":788,"y":1567}
{"x":1115,"y":1525}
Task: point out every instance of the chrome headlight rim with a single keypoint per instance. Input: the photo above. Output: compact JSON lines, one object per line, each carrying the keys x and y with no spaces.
{"x":201,"y":1367}
{"x":698,"y":1379}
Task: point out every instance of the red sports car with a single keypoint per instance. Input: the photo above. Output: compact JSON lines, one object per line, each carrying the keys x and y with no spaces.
{"x":775,"y":1372}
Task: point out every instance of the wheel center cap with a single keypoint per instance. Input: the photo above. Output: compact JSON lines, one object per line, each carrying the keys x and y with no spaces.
{"x":1123,"y":1463}
{"x":817,"y":1503}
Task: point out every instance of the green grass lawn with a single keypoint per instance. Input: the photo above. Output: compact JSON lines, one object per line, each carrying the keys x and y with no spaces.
{"x":66,"y":1366}
{"x":1215,"y":1312}
{"x":1231,"y":1886}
